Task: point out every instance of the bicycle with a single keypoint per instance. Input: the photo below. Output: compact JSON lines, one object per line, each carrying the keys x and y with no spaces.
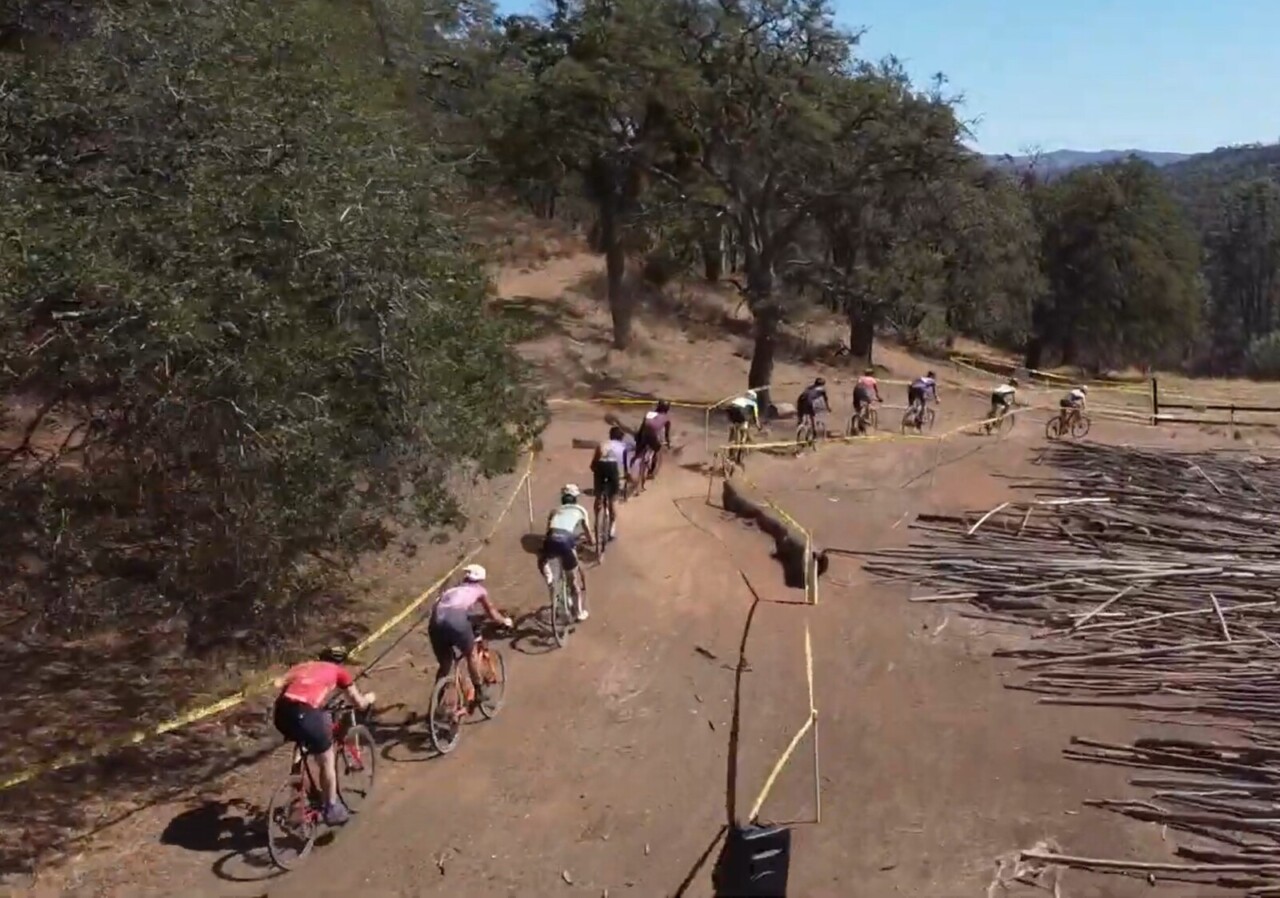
{"x":563,"y":616}
{"x":453,"y":697}
{"x":918,"y":416}
{"x":860,"y":423}
{"x":646,"y":466}
{"x":298,"y":802}
{"x":1002,"y":424}
{"x":1078,"y":426}
{"x":739,"y":436}
{"x":604,"y":525}
{"x":811,"y":429}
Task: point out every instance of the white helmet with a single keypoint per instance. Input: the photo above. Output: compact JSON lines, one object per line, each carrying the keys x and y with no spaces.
{"x":474,"y":573}
{"x":1084,"y":388}
{"x":570,"y":491}
{"x":751,"y":394}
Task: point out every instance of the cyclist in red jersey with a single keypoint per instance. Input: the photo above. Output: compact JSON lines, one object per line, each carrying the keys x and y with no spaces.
{"x":864,"y":390}
{"x":300,"y":717}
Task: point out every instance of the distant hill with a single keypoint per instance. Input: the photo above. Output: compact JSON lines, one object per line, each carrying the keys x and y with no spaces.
{"x":1062,"y":161}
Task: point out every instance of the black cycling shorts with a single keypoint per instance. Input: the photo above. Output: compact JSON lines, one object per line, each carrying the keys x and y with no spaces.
{"x":606,"y":478}
{"x":562,"y":545}
{"x":861,"y":396}
{"x":737,"y":415}
{"x":312,"y":728}
{"x":915,"y":394}
{"x":804,"y":406}
{"x":998,"y":399}
{"x":450,"y":630}
{"x":1066,"y":403}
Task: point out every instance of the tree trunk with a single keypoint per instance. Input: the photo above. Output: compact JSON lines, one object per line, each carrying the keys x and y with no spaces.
{"x":615,"y":263}
{"x":1034,"y":354}
{"x":762,"y":353}
{"x":862,"y":337}
{"x":713,"y":257}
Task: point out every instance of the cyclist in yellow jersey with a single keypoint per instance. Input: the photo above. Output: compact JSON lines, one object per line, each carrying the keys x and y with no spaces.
{"x":566,"y":523}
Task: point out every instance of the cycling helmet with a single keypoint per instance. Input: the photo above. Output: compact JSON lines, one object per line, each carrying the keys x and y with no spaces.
{"x":616,"y":433}
{"x":474,"y":573}
{"x":570,"y":493}
{"x":931,"y":375}
{"x":751,"y":394}
{"x":663,"y":405}
{"x":869,"y":372}
{"x":1084,"y":388}
{"x":334,"y":654}
{"x":1013,"y":381}
{"x":819,"y":381}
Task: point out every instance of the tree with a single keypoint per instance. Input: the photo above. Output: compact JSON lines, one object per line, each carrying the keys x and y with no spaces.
{"x":1243,"y":269}
{"x":241,"y":335}
{"x":1122,"y":267}
{"x":588,"y":100}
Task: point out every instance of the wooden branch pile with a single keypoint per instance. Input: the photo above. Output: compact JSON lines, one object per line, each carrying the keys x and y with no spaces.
{"x":1151,"y":581}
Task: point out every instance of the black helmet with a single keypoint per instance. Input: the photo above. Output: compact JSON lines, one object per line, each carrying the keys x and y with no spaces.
{"x":616,"y":432}
{"x":819,"y":381}
{"x":663,"y":405}
{"x":335,"y":654}
{"x":931,"y":375}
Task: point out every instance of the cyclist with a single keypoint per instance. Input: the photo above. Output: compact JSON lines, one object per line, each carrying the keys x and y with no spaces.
{"x":610,"y":459}
{"x":1001,"y":399}
{"x":746,"y":404}
{"x":1070,"y":406}
{"x":864,"y":390}
{"x":449,"y":626}
{"x":807,"y":403}
{"x":300,"y":716}
{"x":566,"y":523}
{"x":654,"y":432}
{"x":919,"y":392}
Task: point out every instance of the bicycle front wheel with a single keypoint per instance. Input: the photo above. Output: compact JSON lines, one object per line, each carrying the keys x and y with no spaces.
{"x":444,"y":717}
{"x":929,"y":417}
{"x":494,"y":670}
{"x":1080,"y":427}
{"x":873,"y":419}
{"x":357,"y":764}
{"x":1006,"y":422}
{"x":292,"y":824}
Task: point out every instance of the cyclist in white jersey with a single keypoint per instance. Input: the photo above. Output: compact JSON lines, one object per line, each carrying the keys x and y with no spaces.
{"x":566,"y":523}
{"x":1070,"y":406}
{"x":1002,"y":397}
{"x":611,"y":458}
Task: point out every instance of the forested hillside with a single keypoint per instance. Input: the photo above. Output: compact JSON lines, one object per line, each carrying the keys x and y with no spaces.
{"x":236,"y":287}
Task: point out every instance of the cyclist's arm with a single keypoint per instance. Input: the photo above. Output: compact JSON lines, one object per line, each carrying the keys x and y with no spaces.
{"x":586,"y":526}
{"x":358,"y":698}
{"x":493,"y":613}
{"x":878,"y":398}
{"x":666,"y":433}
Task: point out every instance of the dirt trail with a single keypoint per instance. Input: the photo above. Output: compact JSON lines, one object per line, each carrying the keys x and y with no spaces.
{"x":608,"y":769}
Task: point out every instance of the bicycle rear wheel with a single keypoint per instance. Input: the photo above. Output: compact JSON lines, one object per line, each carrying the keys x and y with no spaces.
{"x":494,"y":670}
{"x":293,"y":822}
{"x":1080,"y":427}
{"x":444,"y":716}
{"x":1053,"y":428}
{"x":604,"y":522}
{"x":561,"y":612}
{"x":357,"y":764}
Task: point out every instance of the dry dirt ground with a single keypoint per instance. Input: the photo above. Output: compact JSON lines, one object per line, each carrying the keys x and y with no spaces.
{"x":608,"y":773}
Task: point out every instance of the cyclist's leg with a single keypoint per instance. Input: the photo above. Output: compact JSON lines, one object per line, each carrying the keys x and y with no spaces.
{"x":544,"y":559}
{"x":315,"y":734}
{"x":612,"y":485}
{"x":577,"y":584}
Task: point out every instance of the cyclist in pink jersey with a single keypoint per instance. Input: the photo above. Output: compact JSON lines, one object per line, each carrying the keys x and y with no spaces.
{"x":654,"y":433}
{"x":300,"y":716}
{"x":449,"y":626}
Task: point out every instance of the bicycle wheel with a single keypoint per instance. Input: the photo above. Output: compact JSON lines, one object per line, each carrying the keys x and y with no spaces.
{"x":561,"y":612}
{"x":293,"y":822}
{"x":357,"y":763}
{"x":1080,"y":427}
{"x":929,"y":417}
{"x":1053,"y":429}
{"x":603,"y":523}
{"x":1006,"y":422}
{"x":444,"y":716}
{"x":873,"y":419}
{"x":494,"y":671}
{"x":908,"y":420}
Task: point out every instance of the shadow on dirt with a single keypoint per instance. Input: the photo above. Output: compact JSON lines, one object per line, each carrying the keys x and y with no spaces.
{"x":233,"y":828}
{"x":42,"y":820}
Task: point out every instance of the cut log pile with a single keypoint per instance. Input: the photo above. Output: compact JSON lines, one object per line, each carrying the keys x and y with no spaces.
{"x":1150,"y":579}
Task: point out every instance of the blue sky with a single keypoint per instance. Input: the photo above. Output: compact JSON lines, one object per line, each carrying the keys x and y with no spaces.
{"x":1178,"y":75}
